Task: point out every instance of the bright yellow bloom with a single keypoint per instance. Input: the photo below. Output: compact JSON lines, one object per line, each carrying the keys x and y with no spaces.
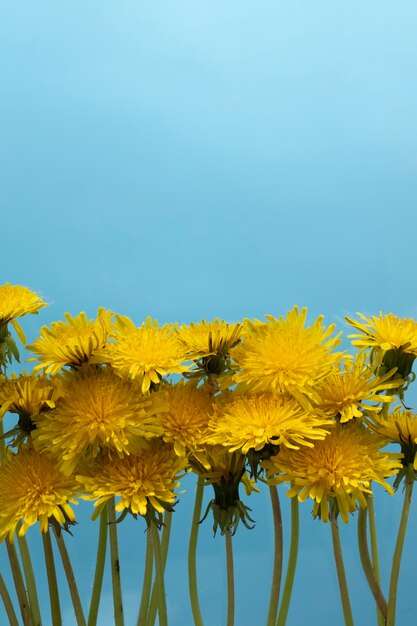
{"x":283,"y":355}
{"x":33,"y":489}
{"x":399,"y":427}
{"x":250,"y":421}
{"x":16,"y":301}
{"x":209,"y":338}
{"x":27,"y":395}
{"x":139,"y":480}
{"x":71,"y":343}
{"x":98,"y":410}
{"x":386,"y":332}
{"x":339,"y":469}
{"x":146,"y":352}
{"x":185,"y":422}
{"x":345,"y":392}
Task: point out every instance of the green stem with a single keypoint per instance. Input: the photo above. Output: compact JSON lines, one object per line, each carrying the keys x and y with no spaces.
{"x":341,"y":574}
{"x":230,"y":579}
{"x":368,"y":568}
{"x":19,"y":583}
{"x":159,"y":576}
{"x":115,"y":566}
{"x":192,"y":555}
{"x":396,"y":561}
{"x":278,"y":550}
{"x":100,"y":563}
{"x":374,"y":547}
{"x":166,"y":533}
{"x":52,"y":581}
{"x":8,"y":604}
{"x":30,"y":581}
{"x":147,"y":581}
{"x":292,"y":563}
{"x":69,"y":573}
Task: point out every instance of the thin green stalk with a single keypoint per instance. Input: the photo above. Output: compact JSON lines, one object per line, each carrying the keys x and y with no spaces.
{"x":278,"y":550}
{"x":52,"y":581}
{"x":69,"y":573}
{"x":374,"y":552}
{"x":30,"y":581}
{"x":192,"y":555}
{"x":166,"y":533}
{"x":368,"y":568}
{"x":292,"y":563}
{"x":230,"y":579}
{"x":19,"y":583}
{"x":147,"y":581}
{"x":115,"y":566}
{"x":8,"y":604}
{"x":159,"y":576}
{"x":100,"y":563}
{"x":341,"y":574}
{"x":396,"y":561}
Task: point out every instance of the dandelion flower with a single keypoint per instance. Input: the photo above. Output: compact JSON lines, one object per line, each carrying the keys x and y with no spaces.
{"x":251,"y":421}
{"x":71,"y":343}
{"x":399,"y":427}
{"x":338,"y":470}
{"x":283,"y":355}
{"x":140,"y":481}
{"x":146,"y":352}
{"x":98,"y":409}
{"x":33,"y":489}
{"x":16,"y":301}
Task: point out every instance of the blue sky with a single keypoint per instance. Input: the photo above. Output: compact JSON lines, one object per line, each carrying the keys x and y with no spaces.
{"x":190,"y":160}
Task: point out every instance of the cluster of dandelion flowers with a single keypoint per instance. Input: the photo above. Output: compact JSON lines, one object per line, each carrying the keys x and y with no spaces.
{"x":251,"y":421}
{"x":184,"y":423}
{"x":70,"y":343}
{"x":142,"y":481}
{"x":346,"y":392}
{"x":32,"y":489}
{"x":16,"y":301}
{"x":399,"y":427}
{"x":147,"y":352}
{"x":283,"y":355}
{"x":98,"y":409}
{"x":338,"y":470}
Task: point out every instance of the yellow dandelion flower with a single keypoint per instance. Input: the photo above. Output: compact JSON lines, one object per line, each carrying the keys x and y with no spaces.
{"x":140,"y":481}
{"x":27,"y":395}
{"x":16,"y":301}
{"x":33,"y":489}
{"x":98,"y":409}
{"x":338,"y":470}
{"x":185,"y":422}
{"x":399,"y":427}
{"x":147,"y":352}
{"x":71,"y":343}
{"x":346,"y":392}
{"x":251,"y":421}
{"x":282,"y":355}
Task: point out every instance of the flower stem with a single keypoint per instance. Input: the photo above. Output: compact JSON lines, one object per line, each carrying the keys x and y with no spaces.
{"x":100,"y":563}
{"x":368,"y":568}
{"x":292,"y":563}
{"x":52,"y":581}
{"x":147,"y":581}
{"x":18,"y":583}
{"x":278,"y":549}
{"x":374,"y":552}
{"x":166,"y":533}
{"x":30,"y":581}
{"x":8,"y":604}
{"x":230,"y":579}
{"x":69,"y":573}
{"x":396,"y":561}
{"x":192,"y":558}
{"x":341,"y":575}
{"x":115,"y":566}
{"x":159,"y":576}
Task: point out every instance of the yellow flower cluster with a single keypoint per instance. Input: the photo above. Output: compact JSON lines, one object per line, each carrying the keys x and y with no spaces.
{"x":104,"y":414}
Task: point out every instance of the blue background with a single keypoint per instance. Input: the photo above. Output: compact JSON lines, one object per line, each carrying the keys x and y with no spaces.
{"x":188,"y":160}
